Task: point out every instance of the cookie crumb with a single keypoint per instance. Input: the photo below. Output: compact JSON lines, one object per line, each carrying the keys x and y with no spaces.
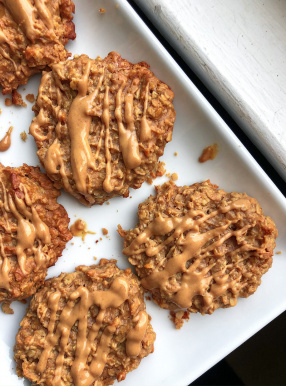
{"x":209,"y":153}
{"x":159,"y":173}
{"x":279,"y":253}
{"x":149,"y":180}
{"x":104,"y":231}
{"x":161,"y":169}
{"x":94,"y":258}
{"x":6,"y":308}
{"x":102,"y":10}
{"x":174,"y":177}
{"x":179,"y":317}
{"x":24,"y":136}
{"x":121,"y":231}
{"x":175,"y":154}
{"x":8,"y":102}
{"x":17,"y":99}
{"x":30,"y":98}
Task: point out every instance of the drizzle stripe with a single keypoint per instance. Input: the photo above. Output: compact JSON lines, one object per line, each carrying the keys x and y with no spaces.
{"x":79,"y":122}
{"x":29,"y":229}
{"x":145,"y":131}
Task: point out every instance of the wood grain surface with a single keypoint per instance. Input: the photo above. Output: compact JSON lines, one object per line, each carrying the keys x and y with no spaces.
{"x":238,"y":49}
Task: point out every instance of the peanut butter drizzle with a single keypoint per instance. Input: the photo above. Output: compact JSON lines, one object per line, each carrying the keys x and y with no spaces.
{"x":107,"y":184}
{"x":29,"y":229}
{"x":78,"y":229}
{"x":5,"y":267}
{"x":7,"y":56}
{"x":145,"y":131}
{"x":4,"y":261}
{"x":5,"y":142}
{"x":82,"y":373}
{"x":44,"y":13}
{"x":40,"y":120}
{"x":5,"y":208}
{"x":59,"y":113}
{"x":79,"y":123}
{"x":3,"y":38}
{"x":127,"y":137}
{"x":54,"y":163}
{"x":136,"y":335}
{"x":193,"y":282}
{"x":23,"y":13}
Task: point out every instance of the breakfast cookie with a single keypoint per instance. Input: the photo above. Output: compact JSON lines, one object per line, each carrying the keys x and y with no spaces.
{"x":33,"y":34}
{"x":33,"y":230}
{"x":101,"y":126}
{"x":85,"y":328}
{"x":197,"y":248}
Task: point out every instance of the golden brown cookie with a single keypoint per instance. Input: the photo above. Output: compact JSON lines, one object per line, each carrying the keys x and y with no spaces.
{"x":33,"y":34}
{"x":85,"y":328}
{"x":33,"y":230}
{"x":197,"y":248}
{"x":101,"y":126}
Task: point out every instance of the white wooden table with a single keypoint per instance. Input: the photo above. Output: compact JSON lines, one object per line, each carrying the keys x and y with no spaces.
{"x":238,"y":49}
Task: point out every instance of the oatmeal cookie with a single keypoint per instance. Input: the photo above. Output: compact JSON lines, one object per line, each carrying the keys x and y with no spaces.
{"x":87,"y":328}
{"x":33,"y":34}
{"x":101,"y":126}
{"x":33,"y":230}
{"x":197,"y":248}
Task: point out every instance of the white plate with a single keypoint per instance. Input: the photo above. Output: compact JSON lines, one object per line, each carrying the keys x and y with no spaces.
{"x":180,"y":356}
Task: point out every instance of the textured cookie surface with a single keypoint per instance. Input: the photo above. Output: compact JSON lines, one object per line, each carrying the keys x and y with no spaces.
{"x":198,"y":248}
{"x":33,"y":230}
{"x":101,"y":126}
{"x":33,"y":34}
{"x":85,"y":328}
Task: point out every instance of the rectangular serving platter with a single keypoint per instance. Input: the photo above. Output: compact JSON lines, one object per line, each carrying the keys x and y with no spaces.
{"x":180,"y":356}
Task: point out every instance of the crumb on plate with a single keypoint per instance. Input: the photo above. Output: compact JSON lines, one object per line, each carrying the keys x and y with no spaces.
{"x":24,"y":136}
{"x":209,"y":153}
{"x":30,"y":98}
